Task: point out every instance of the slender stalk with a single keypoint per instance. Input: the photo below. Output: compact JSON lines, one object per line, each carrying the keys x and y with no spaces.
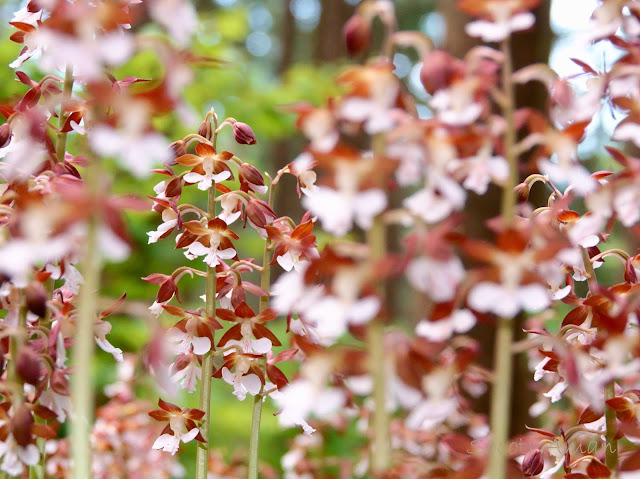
{"x":501,"y":394}
{"x":254,"y":440}
{"x":611,"y":444}
{"x":202,"y":454}
{"x":61,"y":144}
{"x":381,"y":450}
{"x":16,"y":342}
{"x":82,"y":393}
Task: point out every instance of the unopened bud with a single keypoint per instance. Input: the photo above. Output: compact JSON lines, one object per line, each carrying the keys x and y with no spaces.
{"x":59,"y":383}
{"x":21,"y":425}
{"x":252,"y":178}
{"x":5,"y":134}
{"x":205,"y":129}
{"x":532,"y":464}
{"x":522,"y":191}
{"x":36,"y":297}
{"x":28,"y":365}
{"x":439,"y":69}
{"x":630,"y":275}
{"x":357,"y":34}
{"x":177,"y":149}
{"x":243,"y":134}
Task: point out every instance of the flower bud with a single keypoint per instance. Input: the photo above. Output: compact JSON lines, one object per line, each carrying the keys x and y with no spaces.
{"x":522,"y":191}
{"x":5,"y":134}
{"x":21,"y":425}
{"x":357,"y":35}
{"x":177,"y":149}
{"x":205,"y":129}
{"x":59,"y":383}
{"x":28,"y":365}
{"x":36,"y":297}
{"x":243,"y":134}
{"x":532,"y":464}
{"x":439,"y":69}
{"x":251,"y":177}
{"x":630,"y":275}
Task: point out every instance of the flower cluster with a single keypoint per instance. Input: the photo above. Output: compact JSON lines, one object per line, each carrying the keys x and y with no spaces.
{"x":241,"y":357}
{"x":538,"y":258}
{"x":382,"y":314}
{"x":56,"y":212}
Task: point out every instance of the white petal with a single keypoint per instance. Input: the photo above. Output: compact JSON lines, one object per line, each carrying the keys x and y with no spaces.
{"x":251,"y":383}
{"x":223,"y":175}
{"x":226,"y":253}
{"x":522,"y":21}
{"x":463,"y":320}
{"x":228,"y":376}
{"x":189,"y":436}
{"x":261,"y":346}
{"x":193,"y":177}
{"x":29,"y":454}
{"x":167,"y":443}
{"x":435,"y":330}
{"x":285,"y":261}
{"x":534,"y":297}
{"x":367,"y":205}
{"x":201,"y":345}
{"x":364,"y":310}
{"x":198,"y":249}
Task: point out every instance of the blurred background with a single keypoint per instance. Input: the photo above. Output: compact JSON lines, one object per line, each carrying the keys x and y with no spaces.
{"x":272,"y":53}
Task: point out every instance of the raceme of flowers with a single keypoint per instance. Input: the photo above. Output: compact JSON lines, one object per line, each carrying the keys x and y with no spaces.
{"x":373,"y":171}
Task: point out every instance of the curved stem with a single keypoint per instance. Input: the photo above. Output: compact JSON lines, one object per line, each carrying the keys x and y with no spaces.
{"x":254,"y":440}
{"x":501,"y":395}
{"x":82,"y":393}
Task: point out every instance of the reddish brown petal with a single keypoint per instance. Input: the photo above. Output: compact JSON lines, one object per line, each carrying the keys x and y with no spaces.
{"x":244,"y":311}
{"x":204,"y":149}
{"x":267,"y":315}
{"x":169,"y":407}
{"x":260,"y":331}
{"x":189,"y":160}
{"x":195,"y":414}
{"x":44,"y":431}
{"x":597,"y":470}
{"x":302,"y":230}
{"x":225,"y":315}
{"x":196,"y":228}
{"x":234,"y":332}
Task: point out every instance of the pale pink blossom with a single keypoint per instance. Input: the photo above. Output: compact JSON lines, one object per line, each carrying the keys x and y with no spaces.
{"x":242,"y":384}
{"x":460,"y":321}
{"x":507,"y":301}
{"x":438,"y":278}
{"x":212,"y":255}
{"x":169,"y":221}
{"x":136,"y":150}
{"x":338,"y":210}
{"x":502,"y":27}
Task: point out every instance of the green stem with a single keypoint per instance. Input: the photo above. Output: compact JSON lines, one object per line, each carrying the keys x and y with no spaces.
{"x":501,"y":395}
{"x":254,"y":440}
{"x":381,"y":448}
{"x":82,"y":393}
{"x":202,"y":454}
{"x":611,"y":445}
{"x":61,"y":144}
{"x":16,"y":342}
